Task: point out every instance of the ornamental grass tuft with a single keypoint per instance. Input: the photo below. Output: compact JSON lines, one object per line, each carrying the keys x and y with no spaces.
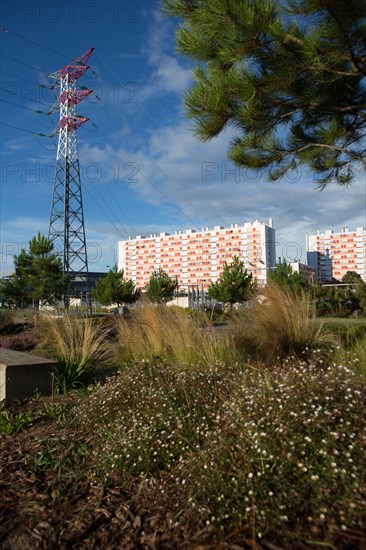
{"x":170,"y":334}
{"x":78,"y":344}
{"x":279,"y":324}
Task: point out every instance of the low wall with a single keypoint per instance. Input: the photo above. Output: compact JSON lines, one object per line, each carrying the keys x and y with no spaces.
{"x":23,"y":374}
{"x":181,"y":301}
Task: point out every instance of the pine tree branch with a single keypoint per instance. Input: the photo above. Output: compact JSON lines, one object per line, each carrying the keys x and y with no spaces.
{"x":354,"y":156}
{"x":356,"y":109}
{"x":343,"y":73}
{"x":359,"y":67}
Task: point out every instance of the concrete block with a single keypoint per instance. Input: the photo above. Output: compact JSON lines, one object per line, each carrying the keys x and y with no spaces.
{"x":23,"y":374}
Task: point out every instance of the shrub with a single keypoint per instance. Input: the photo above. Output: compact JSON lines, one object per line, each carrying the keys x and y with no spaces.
{"x":279,"y":324}
{"x":76,"y":343}
{"x":8,"y":324}
{"x":24,"y":341}
{"x":5,"y":320}
{"x":208,"y":314}
{"x":275,"y":454}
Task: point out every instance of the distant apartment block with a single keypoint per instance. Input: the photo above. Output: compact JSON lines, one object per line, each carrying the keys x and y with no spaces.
{"x":196,"y":258}
{"x":333,"y":254}
{"x":307,"y":272}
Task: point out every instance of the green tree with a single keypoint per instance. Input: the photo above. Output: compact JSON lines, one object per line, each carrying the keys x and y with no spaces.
{"x":288,"y":76}
{"x":234,"y":285}
{"x":325,"y":300}
{"x":115,"y":289}
{"x":285,"y":276}
{"x":351,"y":277}
{"x":336,"y":301}
{"x":161,"y":287}
{"x":358,"y":291}
{"x":38,"y":275}
{"x":12,"y":292}
{"x":361,"y":294}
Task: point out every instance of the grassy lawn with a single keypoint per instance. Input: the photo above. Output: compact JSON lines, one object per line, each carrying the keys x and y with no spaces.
{"x":344,"y":321}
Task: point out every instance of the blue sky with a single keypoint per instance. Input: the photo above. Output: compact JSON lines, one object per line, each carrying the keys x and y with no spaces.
{"x":143,"y":171}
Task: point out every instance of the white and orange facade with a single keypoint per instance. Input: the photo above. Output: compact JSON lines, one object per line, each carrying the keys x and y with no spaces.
{"x":196,"y":258}
{"x":333,"y":254}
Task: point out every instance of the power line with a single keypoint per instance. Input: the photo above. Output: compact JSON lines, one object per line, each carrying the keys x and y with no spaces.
{"x":3,"y":29}
{"x":35,"y":111}
{"x":117,"y":202}
{"x":22,"y":96}
{"x":38,"y":84}
{"x":104,"y":212}
{"x":28,"y":108}
{"x":22,"y":106}
{"x":159,"y":190}
{"x":40,"y":45}
{"x":22,"y":129}
{"x":163,"y":195}
{"x":23,"y":63}
{"x":168,"y":179}
{"x":154,"y":186}
{"x":107,"y":205}
{"x":124,"y":237}
{"x":128,"y":160}
{"x":177,"y":189}
{"x":25,"y":79}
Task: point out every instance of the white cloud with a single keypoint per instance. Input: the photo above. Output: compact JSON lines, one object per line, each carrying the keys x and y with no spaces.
{"x":168,"y":74}
{"x":12,"y":146}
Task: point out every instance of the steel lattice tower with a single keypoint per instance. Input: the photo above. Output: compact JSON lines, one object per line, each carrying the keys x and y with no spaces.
{"x":67,"y":228}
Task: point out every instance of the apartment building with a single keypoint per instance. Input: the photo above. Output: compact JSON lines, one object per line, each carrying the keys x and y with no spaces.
{"x":196,"y":257}
{"x":307,"y":272}
{"x":333,"y":254}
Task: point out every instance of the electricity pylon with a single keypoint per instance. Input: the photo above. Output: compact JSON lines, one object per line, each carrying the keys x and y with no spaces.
{"x":67,"y":228}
